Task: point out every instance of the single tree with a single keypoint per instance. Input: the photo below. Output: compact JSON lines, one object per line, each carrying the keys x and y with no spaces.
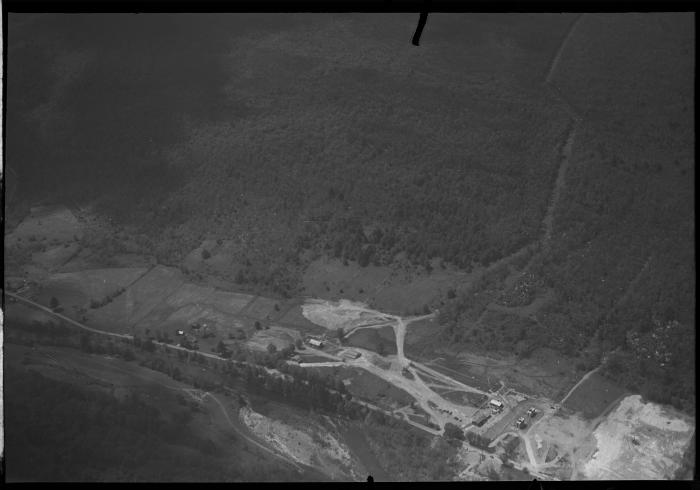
{"x":341,"y":335}
{"x":53,"y":303}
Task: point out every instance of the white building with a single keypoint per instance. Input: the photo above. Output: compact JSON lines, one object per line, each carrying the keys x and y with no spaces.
{"x":495,"y":404}
{"x":316,"y":343}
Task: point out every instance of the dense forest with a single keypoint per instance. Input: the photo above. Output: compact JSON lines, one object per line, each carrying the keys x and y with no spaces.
{"x":291,"y":137}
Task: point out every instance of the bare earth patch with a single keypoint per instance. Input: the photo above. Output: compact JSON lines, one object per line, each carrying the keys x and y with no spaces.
{"x":639,"y":441}
{"x":310,"y":447}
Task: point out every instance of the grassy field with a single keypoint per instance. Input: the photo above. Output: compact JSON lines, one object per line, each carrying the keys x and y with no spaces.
{"x":52,"y":224}
{"x":138,"y":301}
{"x":372,"y":388}
{"x":418,"y":332}
{"x":280,"y":337}
{"x":373,"y":338}
{"x":295,"y":318}
{"x":400,"y":289}
{"x":463,"y":398}
{"x":594,"y":396}
{"x":79,"y":288}
{"x":261,"y":308}
{"x":191,"y":303}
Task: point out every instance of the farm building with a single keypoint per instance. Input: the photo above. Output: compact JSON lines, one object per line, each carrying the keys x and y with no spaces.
{"x":496,"y":405}
{"x":316,"y":343}
{"x":350,"y":354}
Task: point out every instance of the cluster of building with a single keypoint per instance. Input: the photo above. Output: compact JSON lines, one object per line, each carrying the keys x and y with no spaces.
{"x":189,"y":340}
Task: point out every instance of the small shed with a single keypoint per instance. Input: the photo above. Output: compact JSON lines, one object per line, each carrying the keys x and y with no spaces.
{"x":351,"y":354}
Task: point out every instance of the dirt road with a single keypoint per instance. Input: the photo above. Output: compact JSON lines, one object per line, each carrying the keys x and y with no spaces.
{"x":584,"y":378}
{"x":557,"y":55}
{"x":559,"y":183}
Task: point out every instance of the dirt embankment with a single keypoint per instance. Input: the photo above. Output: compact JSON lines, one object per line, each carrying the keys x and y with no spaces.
{"x":317,"y":447}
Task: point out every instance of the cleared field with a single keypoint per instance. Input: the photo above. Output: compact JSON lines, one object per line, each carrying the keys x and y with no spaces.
{"x":381,"y":340}
{"x":261,"y":307}
{"x":367,"y":386}
{"x":420,"y":330}
{"x":411,"y":296}
{"x":462,"y":397}
{"x":54,"y":257}
{"x":459,"y":373}
{"x":594,"y":395}
{"x":639,"y":441}
{"x":384,"y":287}
{"x":79,"y":288}
{"x":127,"y":260}
{"x":138,"y":301}
{"x":325,"y":278}
{"x":228,"y":301}
{"x":280,"y":337}
{"x":295,"y":317}
{"x":47,"y":223}
{"x":191,"y":303}
{"x":22,"y":313}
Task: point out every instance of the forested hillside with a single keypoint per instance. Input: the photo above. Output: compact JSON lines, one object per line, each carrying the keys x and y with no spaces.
{"x":76,"y":434}
{"x":290,"y":137}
